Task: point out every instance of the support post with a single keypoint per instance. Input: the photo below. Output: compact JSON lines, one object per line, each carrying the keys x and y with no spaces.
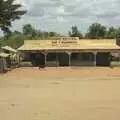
{"x":18,"y":59}
{"x":57,"y":61}
{"x":45,"y":59}
{"x":110,"y":59}
{"x":1,"y":65}
{"x":69,"y":59}
{"x":95,"y":54}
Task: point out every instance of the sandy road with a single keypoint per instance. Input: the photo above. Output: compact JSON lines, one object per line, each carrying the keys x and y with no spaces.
{"x":60,"y":93}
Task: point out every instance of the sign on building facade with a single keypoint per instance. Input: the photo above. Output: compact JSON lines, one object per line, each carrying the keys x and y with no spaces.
{"x":53,"y":43}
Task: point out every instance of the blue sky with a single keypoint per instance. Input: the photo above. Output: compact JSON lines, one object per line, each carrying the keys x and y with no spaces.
{"x":60,"y":15}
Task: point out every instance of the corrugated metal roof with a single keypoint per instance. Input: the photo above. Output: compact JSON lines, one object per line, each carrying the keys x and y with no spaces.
{"x":4,"y":55}
{"x":9,"y":49}
{"x":75,"y":44}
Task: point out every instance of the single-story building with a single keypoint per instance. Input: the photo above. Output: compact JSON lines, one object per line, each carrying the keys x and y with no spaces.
{"x":3,"y":62}
{"x":69,"y":51}
{"x":12,"y":55}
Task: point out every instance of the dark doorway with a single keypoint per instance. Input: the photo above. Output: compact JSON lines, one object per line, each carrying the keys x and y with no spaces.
{"x":82,"y":59}
{"x":38,"y":59}
{"x":103,"y":59}
{"x":33,"y":59}
{"x":63,"y":59}
{"x":51,"y":60}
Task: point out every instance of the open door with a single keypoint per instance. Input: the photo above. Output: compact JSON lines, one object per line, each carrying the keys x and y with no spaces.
{"x":103,"y":59}
{"x":38,"y":59}
{"x":63,"y":59}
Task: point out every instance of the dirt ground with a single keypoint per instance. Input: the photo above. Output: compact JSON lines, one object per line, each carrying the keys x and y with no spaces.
{"x":83,"y":93}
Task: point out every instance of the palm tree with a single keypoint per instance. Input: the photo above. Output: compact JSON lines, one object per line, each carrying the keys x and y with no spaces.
{"x":9,"y":11}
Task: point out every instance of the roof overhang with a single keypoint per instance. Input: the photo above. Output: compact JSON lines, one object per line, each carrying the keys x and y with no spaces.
{"x":68,"y":45}
{"x":8,"y":48}
{"x":4,"y":55}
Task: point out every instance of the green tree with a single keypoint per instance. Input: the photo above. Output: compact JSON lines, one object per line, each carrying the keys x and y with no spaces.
{"x":29,"y":30}
{"x":52,"y":34}
{"x":96,"y":31}
{"x":75,"y":32}
{"x":13,"y":40}
{"x":111,"y":34}
{"x":32,"y":33}
{"x":118,"y":36}
{"x":9,"y":11}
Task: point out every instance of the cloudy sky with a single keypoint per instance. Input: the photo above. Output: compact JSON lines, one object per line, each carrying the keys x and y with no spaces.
{"x":60,"y":15}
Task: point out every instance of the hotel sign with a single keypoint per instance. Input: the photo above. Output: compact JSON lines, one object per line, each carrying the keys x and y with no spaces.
{"x":64,"y":43}
{"x":51,"y":43}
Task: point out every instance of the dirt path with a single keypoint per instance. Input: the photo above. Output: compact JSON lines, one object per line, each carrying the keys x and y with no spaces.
{"x":60,"y":93}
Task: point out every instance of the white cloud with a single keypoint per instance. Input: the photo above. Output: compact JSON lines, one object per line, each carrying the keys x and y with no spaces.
{"x":60,"y":15}
{"x":61,"y":10}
